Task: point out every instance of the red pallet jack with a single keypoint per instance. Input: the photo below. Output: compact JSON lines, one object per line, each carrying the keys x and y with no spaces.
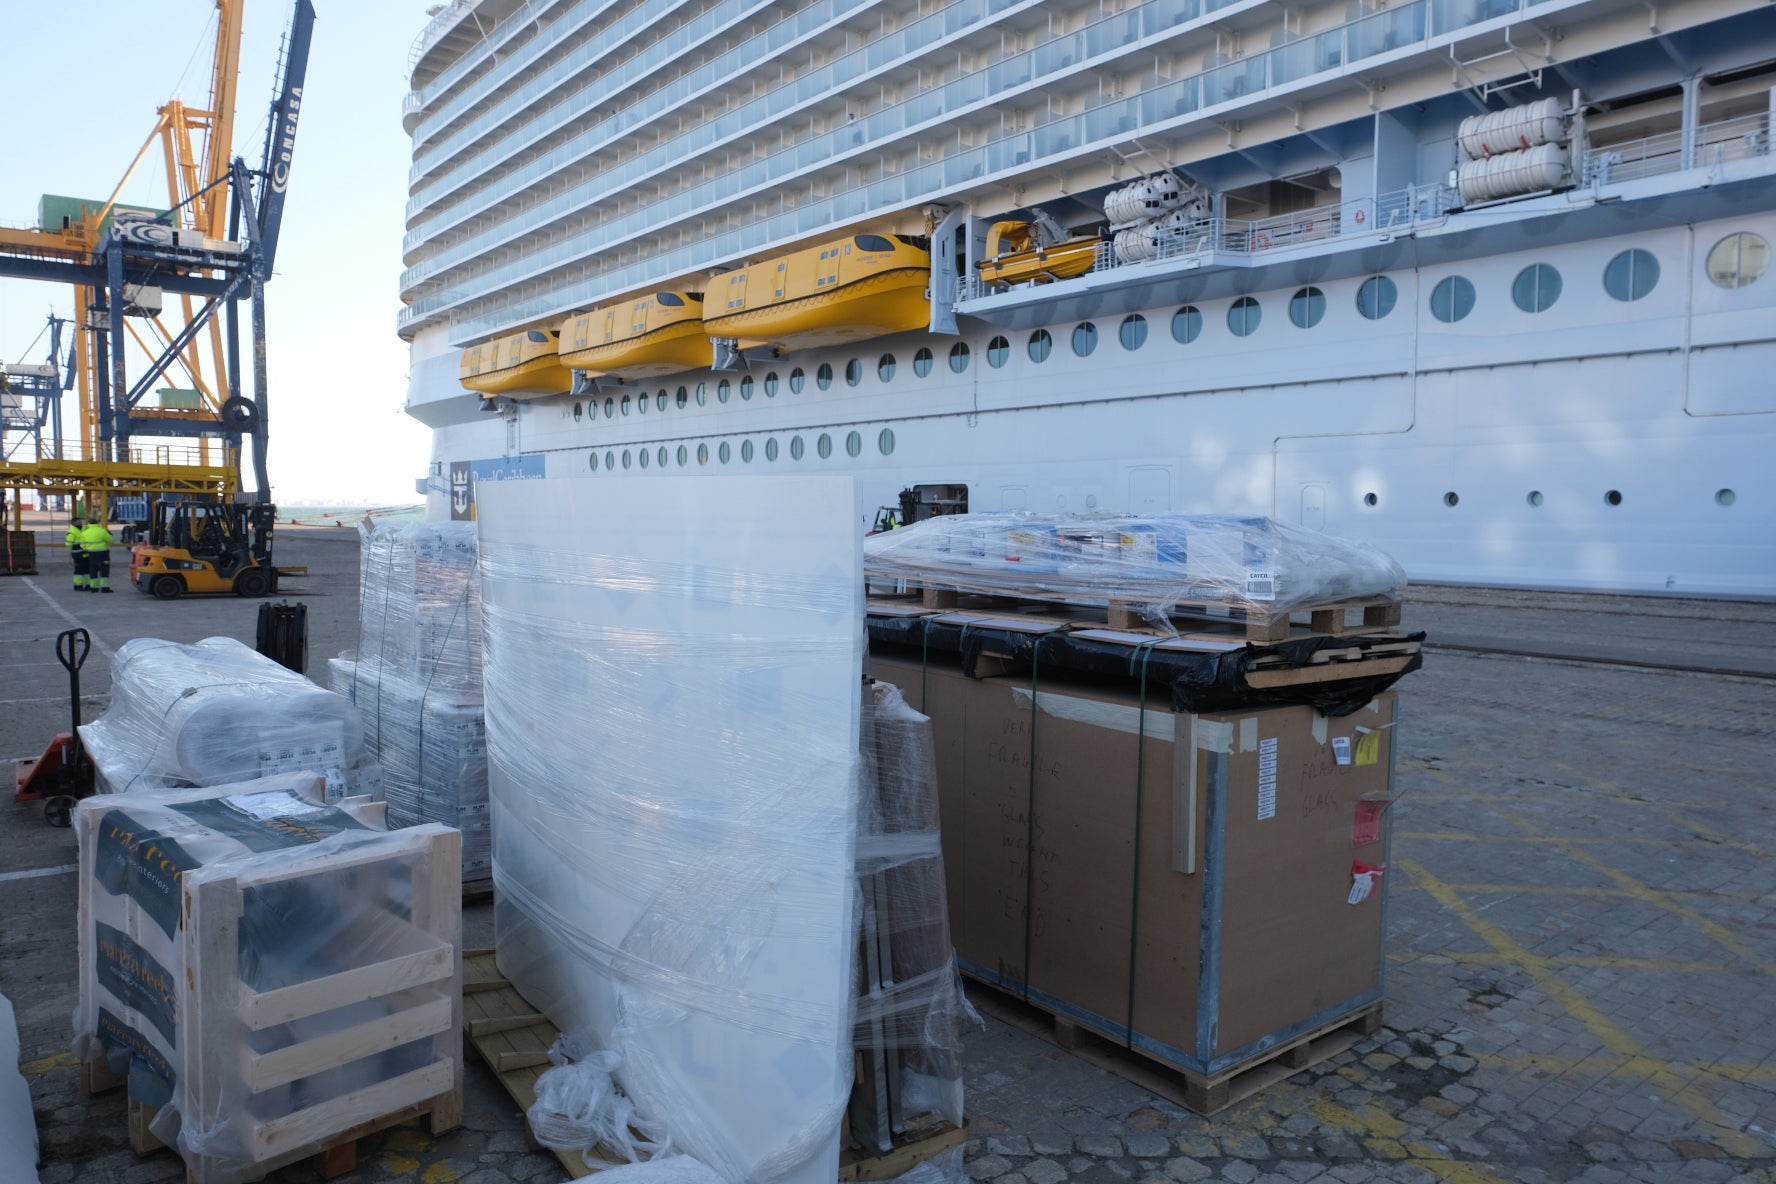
{"x":64,"y":773}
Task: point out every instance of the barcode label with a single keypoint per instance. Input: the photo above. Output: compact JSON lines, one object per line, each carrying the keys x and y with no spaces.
{"x":1267,"y":779}
{"x":1260,"y":585}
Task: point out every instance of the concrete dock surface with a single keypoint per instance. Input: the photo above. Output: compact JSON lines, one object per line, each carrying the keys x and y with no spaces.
{"x":1582,"y":944}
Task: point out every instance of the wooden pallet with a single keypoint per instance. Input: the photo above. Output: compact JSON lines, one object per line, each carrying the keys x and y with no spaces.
{"x":514,"y":1041}
{"x":1202,"y":1094}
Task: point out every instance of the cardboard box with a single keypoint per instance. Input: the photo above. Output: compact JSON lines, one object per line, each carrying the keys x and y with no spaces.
{"x":1191,"y":874}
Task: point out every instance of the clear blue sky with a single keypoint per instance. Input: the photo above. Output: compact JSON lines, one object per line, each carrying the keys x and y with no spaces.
{"x":79,"y":95}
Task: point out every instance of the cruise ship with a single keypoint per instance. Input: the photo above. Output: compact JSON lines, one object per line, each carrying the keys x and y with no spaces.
{"x":1484,"y":282}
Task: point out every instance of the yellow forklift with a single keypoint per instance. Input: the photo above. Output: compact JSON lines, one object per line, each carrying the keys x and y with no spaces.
{"x":204,"y":546}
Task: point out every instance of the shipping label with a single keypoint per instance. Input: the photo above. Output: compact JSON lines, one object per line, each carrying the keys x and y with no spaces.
{"x":135,"y":979}
{"x":139,"y":862}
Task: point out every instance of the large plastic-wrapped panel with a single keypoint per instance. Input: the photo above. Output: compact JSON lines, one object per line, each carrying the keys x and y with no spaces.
{"x":431,"y":743}
{"x":265,"y":970}
{"x":218,"y":712}
{"x":910,"y":1002}
{"x":1159,"y":561}
{"x":673,"y":698}
{"x":419,"y":606}
{"x":18,"y":1125}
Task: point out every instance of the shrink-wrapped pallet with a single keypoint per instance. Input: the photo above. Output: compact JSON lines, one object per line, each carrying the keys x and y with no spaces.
{"x":266,"y":971}
{"x":419,"y":612}
{"x":218,"y":712}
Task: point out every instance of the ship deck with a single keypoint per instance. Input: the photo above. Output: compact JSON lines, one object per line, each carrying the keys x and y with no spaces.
{"x":1582,"y":925}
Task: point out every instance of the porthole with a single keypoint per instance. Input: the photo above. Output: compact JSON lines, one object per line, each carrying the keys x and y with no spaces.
{"x":1369,"y":499}
{"x":724,"y":453}
{"x":644,"y":456}
{"x":823,"y":446}
{"x":1244,"y":316}
{"x":1041,"y":345}
{"x":797,"y":380}
{"x":702,"y":454}
{"x":771,"y":385}
{"x":1738,"y":260}
{"x":1187,"y":324}
{"x":854,"y":444}
{"x":684,"y":456}
{"x":722,"y":390}
{"x":1613,"y":498}
{"x":823,"y":376}
{"x":1535,"y":497}
{"x":959,"y":357}
{"x":1133,"y":331}
{"x":661,"y":456}
{"x":885,"y":442}
{"x":1376,"y":297}
{"x":578,"y":412}
{"x":1451,"y":499}
{"x":625,"y":458}
{"x":625,"y":404}
{"x":885,"y":367}
{"x":610,"y":459}
{"x":609,"y":409}
{"x":771,"y":448}
{"x":702,"y":394}
{"x":594,"y":461}
{"x":853,"y":372}
{"x":1725,"y":497}
{"x":746,"y":388}
{"x":1452,"y":299}
{"x":922,"y":363}
{"x":660,"y":400}
{"x":796,"y":448}
{"x":684,"y":397}
{"x":1536,"y":288}
{"x":998,"y":352}
{"x":746,"y":452}
{"x":641,"y":403}
{"x":1085,"y":339}
{"x":1306,"y":308}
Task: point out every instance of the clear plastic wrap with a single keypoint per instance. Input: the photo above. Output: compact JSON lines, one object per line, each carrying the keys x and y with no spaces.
{"x":18,"y":1126}
{"x":673,"y":726}
{"x":218,"y":712}
{"x":1158,"y":561}
{"x":419,"y":609}
{"x":265,"y":970}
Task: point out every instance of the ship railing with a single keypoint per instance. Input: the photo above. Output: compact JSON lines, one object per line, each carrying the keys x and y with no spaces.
{"x":1743,"y":138}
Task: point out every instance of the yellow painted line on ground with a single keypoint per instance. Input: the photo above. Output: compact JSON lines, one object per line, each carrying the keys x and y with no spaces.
{"x":37,"y":1068}
{"x":1375,"y":1123}
{"x":1602,"y":1066}
{"x":1687,"y":821}
{"x":1460,"y":837}
{"x":1563,"y":890}
{"x":440,"y":1173}
{"x":1652,"y":965}
{"x":1664,"y":1077}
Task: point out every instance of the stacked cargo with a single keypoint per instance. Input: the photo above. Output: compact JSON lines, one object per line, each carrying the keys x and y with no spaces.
{"x":416,"y":678}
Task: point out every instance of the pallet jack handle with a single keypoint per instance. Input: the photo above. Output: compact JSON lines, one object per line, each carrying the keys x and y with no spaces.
{"x":72,"y":647}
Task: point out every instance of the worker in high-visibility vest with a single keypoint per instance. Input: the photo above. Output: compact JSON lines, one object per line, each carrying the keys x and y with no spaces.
{"x":77,"y":553}
{"x":96,"y":540}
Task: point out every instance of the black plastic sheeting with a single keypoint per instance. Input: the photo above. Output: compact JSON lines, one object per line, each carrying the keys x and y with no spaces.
{"x":1193,"y":681}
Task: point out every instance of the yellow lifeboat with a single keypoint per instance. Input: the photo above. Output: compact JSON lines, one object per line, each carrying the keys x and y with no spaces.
{"x":851,"y":289}
{"x":658,"y":334}
{"x":1015,"y":255}
{"x":523,"y":365}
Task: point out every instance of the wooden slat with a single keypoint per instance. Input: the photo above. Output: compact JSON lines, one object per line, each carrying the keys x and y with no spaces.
{"x":1331,"y":672}
{"x":324,"y":1122}
{"x":490,"y":1025}
{"x":282,"y":1066}
{"x":907,"y":1155}
{"x":270,"y":1008}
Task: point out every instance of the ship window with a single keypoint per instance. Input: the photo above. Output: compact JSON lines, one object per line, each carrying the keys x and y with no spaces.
{"x":1133,"y":333}
{"x":684,"y":397}
{"x":1613,"y":498}
{"x":684,"y":456}
{"x":1452,"y":299}
{"x":1370,"y":499}
{"x":625,"y":458}
{"x":724,"y":453}
{"x":1307,"y":307}
{"x":610,"y":460}
{"x":1085,"y":339}
{"x":873,"y":242}
{"x":625,"y":404}
{"x":702,"y":454}
{"x":1187,"y":324}
{"x":853,"y":372}
{"x":1725,"y":497}
{"x":823,"y":376}
{"x":1536,"y":288}
{"x":796,"y":448}
{"x":721,"y":391}
{"x":660,"y":400}
{"x":746,"y":388}
{"x":1452,"y":499}
{"x":669,"y":299}
{"x":594,"y":460}
{"x":746,"y":452}
{"x":959,"y":357}
{"x":702,"y":394}
{"x":771,"y":448}
{"x":1376,"y":296}
{"x":643,"y":457}
{"x":538,"y":336}
{"x":885,"y":367}
{"x":1535,"y":497}
{"x":610,"y":410}
{"x":1244,"y":316}
{"x":661,"y":455}
{"x":641,"y":403}
{"x":578,"y":411}
{"x":998,"y":352}
{"x":922,"y":363}
{"x":1631,"y":275}
{"x":854,"y":444}
{"x":1738,"y":260}
{"x":771,"y":385}
{"x":797,"y":380}
{"x":885,"y":442}
{"x":823,"y":446}
{"x":1041,"y":345}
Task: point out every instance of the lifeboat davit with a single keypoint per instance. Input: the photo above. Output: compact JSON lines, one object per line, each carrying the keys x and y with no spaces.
{"x":852,"y":289}
{"x":658,"y":334}
{"x":1015,"y":255}
{"x":524,"y":365}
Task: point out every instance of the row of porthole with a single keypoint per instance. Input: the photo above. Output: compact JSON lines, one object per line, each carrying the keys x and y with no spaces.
{"x":1735,"y":261}
{"x":1613,"y":497}
{"x":663,"y":456}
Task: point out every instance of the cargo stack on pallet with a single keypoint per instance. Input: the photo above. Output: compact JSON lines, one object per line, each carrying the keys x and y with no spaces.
{"x":18,"y":552}
{"x":1164,"y":802}
{"x":272,"y":977}
{"x":416,"y":677}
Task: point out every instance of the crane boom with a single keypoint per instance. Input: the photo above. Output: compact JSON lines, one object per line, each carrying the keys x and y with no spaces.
{"x":280,"y":136}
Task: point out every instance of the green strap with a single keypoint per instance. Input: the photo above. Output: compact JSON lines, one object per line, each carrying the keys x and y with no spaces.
{"x":1142,"y":652}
